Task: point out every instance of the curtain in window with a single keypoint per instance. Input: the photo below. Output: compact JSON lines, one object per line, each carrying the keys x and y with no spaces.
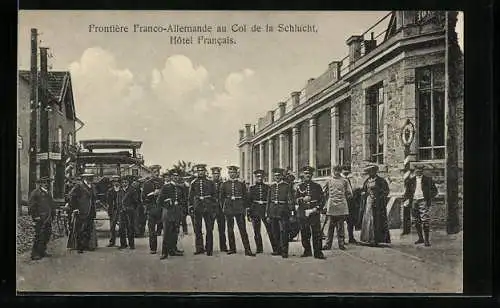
{"x":303,"y":144}
{"x":323,"y":139}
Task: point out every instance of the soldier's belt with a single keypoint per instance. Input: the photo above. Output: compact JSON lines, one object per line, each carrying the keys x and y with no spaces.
{"x":170,"y":200}
{"x":279,"y":202}
{"x":204,"y":197}
{"x":234,"y":197}
{"x":260,"y":201}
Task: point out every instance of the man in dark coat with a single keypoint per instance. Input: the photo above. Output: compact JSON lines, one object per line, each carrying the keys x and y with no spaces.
{"x":279,"y":209}
{"x":171,"y":198}
{"x":310,"y":200}
{"x":150,"y":190}
{"x":221,"y":219}
{"x":112,"y":200}
{"x":203,"y":204}
{"x":257,"y":201}
{"x":419,"y":192}
{"x":129,"y":201}
{"x":42,"y":211}
{"x":233,"y":194}
{"x":82,"y":203}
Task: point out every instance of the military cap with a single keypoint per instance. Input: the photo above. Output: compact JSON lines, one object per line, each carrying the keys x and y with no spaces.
{"x":346,"y":168}
{"x":232,"y":168}
{"x":115,"y":178}
{"x":370,"y":168}
{"x":44,"y":179}
{"x":419,"y":167}
{"x":165,"y":174}
{"x":199,"y":167}
{"x":259,"y":172}
{"x":308,"y":169}
{"x":278,"y":170}
{"x":155,"y":167}
{"x":215,"y":169}
{"x":87,"y":173}
{"x":128,"y":178}
{"x":173,"y":172}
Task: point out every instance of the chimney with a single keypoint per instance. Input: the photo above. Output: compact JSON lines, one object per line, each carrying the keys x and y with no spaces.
{"x":370,"y":44}
{"x":282,"y":109}
{"x":354,"y":43}
{"x":335,"y":67}
{"x":270,"y":116}
{"x":260,"y":123}
{"x":295,"y":99}
{"x":241,"y":134}
{"x":248,"y":132}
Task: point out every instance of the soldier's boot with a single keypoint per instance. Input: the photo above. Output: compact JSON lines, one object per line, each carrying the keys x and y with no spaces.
{"x":419,"y":233}
{"x":427,"y":243}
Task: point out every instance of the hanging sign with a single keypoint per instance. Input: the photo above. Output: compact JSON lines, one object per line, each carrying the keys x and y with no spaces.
{"x":407,"y":133}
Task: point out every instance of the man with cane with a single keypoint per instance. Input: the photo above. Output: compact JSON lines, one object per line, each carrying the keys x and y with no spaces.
{"x":82,"y":204}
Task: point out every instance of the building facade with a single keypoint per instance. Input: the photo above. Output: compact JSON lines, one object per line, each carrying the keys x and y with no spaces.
{"x":60,"y":131}
{"x":396,"y":95}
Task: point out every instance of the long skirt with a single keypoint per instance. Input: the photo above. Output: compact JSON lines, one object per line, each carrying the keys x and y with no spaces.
{"x":374,"y":227}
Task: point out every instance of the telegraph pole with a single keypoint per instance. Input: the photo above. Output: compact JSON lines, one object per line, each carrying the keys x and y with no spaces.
{"x":33,"y":146}
{"x":44,"y":114}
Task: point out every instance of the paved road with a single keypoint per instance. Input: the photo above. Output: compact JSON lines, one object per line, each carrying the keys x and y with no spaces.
{"x":401,"y":268}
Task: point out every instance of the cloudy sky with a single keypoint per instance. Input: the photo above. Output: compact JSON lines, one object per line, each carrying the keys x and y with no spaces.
{"x":185,"y":102}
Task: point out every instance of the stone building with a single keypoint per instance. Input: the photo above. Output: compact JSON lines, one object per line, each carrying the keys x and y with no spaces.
{"x":397,"y":94}
{"x":60,"y":131}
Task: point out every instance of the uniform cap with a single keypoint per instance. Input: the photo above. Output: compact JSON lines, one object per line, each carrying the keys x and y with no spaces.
{"x":419,"y":167}
{"x":87,"y":173}
{"x":370,"y":168}
{"x":115,"y":178}
{"x":215,"y":169}
{"x":346,"y":168}
{"x":155,"y":167}
{"x":308,"y":169}
{"x":232,"y":168}
{"x":44,"y":179}
{"x":199,"y":167}
{"x":173,"y":172}
{"x":278,"y":170}
{"x":165,"y":174}
{"x":259,"y":171}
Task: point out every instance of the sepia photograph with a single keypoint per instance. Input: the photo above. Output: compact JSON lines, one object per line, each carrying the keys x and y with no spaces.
{"x":240,"y":151}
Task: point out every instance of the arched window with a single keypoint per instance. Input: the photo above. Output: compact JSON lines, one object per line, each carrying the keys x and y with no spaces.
{"x":59,"y":138}
{"x":69,"y":140}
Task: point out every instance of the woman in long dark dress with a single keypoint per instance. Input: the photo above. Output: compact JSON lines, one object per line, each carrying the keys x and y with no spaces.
{"x":374,"y":228}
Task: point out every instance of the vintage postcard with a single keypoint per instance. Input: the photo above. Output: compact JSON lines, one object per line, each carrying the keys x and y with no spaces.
{"x":258,"y":151}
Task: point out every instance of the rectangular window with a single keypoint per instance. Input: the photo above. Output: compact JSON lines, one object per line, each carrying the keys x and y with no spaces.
{"x":375,"y":110}
{"x":431,"y":119}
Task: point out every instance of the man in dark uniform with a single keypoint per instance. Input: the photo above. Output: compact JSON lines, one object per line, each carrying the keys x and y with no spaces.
{"x":42,"y":210}
{"x":203,"y":201}
{"x":233,"y":194}
{"x":257,"y":201}
{"x":82,"y":203}
{"x":129,"y":201}
{"x":171,"y":198}
{"x":150,"y":190}
{"x":310,"y":200}
{"x":278,"y":211}
{"x":221,"y":219}
{"x":353,"y":207}
{"x":113,"y":201}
